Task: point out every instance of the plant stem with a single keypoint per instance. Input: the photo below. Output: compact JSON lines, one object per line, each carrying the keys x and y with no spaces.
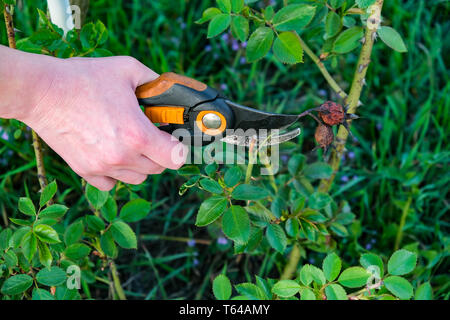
{"x":36,"y":140}
{"x":398,"y":239}
{"x":117,"y":284}
{"x":352,"y":100}
{"x":291,"y":266}
{"x":333,"y":84}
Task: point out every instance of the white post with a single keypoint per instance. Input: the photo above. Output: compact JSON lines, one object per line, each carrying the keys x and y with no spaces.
{"x":61,"y":14}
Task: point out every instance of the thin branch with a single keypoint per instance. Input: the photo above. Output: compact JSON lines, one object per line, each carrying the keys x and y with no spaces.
{"x":333,"y":84}
{"x":373,"y":22}
{"x":37,"y":145}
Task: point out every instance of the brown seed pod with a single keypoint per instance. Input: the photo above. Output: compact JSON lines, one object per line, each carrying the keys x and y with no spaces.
{"x":324,"y":136}
{"x":332,"y":113}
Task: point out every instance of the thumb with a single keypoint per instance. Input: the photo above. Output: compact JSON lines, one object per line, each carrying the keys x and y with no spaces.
{"x":139,"y":73}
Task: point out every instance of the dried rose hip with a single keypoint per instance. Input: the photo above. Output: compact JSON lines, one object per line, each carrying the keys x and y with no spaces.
{"x":332,"y":113}
{"x":324,"y":136}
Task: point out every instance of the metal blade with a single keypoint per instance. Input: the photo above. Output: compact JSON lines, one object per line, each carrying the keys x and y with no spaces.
{"x":248,"y":118}
{"x":261,"y":141}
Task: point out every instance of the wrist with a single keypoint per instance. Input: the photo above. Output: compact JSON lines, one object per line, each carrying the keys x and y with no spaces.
{"x":25,"y":79}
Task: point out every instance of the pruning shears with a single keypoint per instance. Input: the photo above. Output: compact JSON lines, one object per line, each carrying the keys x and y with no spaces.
{"x":188,"y":107}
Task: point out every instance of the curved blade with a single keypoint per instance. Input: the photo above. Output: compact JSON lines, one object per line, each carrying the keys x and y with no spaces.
{"x":248,"y":118}
{"x":261,"y":141}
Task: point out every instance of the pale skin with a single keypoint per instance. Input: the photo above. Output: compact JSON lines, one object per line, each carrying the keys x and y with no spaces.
{"x":86,"y":110}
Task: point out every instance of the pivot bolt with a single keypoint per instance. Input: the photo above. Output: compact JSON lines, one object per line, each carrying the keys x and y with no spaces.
{"x":212,"y":121}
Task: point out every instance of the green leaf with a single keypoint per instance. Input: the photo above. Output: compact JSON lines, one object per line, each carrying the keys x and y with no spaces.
{"x":363,"y":4}
{"x":124,"y":235}
{"x":286,"y":288}
{"x":319,"y":200}
{"x":54,"y":211}
{"x":211,"y":186}
{"x":50,"y":277}
{"x":107,"y":244}
{"x":250,"y":290}
{"x":109,"y":210}
{"x":208,"y":14}
{"x":392,"y":38}
{"x":88,"y":36}
{"x":402,"y":262}
{"x":354,"y":277}
{"x":224,"y":5}
{"x":21,"y":222}
{"x":95,"y":223}
{"x":29,"y":245}
{"x":399,"y":287}
{"x":62,"y":293}
{"x":296,"y":163}
{"x":310,"y":273}
{"x":293,"y":17}
{"x":276,"y":237}
{"x":48,"y":193}
{"x":333,"y":24}
{"x":287,"y":48}
{"x":249,"y":192}
{"x":370,"y":260}
{"x":45,"y":256}
{"x":236,"y":224}
{"x":222,"y":287}
{"x":46,"y":233}
{"x":307,"y":294}
{"x":335,"y":292}
{"x":135,"y":210}
{"x":237,"y":5}
{"x":188,"y":171}
{"x":348,"y":40}
{"x":318,"y":170}
{"x":26,"y":206}
{"x":102,"y":32}
{"x":41,"y":294}
{"x":424,"y":292}
{"x":233,"y":176}
{"x":269,"y":13}
{"x":218,"y":24}
{"x":77,"y":251}
{"x":240,"y":28}
{"x":96,"y":197}
{"x":17,"y":284}
{"x":10,"y":259}
{"x":337,"y":3}
{"x":211,"y":210}
{"x":339,"y":229}
{"x":211,"y":169}
{"x":331,"y":266}
{"x":259,"y":43}
{"x":5,"y":237}
{"x":73,"y":233}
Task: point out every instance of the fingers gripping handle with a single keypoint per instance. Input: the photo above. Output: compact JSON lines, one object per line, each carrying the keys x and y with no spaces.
{"x":166,"y":81}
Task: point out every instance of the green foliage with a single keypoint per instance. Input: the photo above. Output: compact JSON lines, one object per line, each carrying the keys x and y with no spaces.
{"x":328,"y":283}
{"x":359,"y":217}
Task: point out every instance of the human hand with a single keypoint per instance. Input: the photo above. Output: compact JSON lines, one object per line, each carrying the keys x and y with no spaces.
{"x":90,"y":116}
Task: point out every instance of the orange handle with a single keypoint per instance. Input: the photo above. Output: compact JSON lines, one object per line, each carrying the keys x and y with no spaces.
{"x":165,"y":82}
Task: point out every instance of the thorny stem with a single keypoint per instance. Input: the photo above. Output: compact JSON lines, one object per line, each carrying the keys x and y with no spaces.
{"x":36,"y":140}
{"x":352,"y":100}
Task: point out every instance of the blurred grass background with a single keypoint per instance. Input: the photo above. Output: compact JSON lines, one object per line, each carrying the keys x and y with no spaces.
{"x":394,"y":173}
